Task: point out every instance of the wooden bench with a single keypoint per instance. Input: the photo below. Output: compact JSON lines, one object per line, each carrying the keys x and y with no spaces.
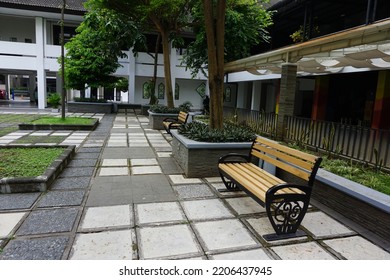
{"x":174,"y":123}
{"x":285,"y":203}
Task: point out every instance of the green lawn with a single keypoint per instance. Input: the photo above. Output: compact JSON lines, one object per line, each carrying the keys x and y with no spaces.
{"x":67,"y":120}
{"x":27,"y":162}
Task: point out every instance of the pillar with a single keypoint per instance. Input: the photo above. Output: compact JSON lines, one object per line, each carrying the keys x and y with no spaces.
{"x":256,"y":96}
{"x":40,"y":62}
{"x":131,"y":78}
{"x":381,"y":113}
{"x":288,"y":84}
{"x":320,"y":100}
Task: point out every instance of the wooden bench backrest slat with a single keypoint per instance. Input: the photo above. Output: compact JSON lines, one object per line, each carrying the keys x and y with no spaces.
{"x":283,"y":156}
{"x":287,"y":150}
{"x":182,"y":117}
{"x":289,"y":168}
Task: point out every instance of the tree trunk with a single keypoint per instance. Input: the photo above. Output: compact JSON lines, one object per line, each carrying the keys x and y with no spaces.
{"x":215,"y":32}
{"x":167,"y":68}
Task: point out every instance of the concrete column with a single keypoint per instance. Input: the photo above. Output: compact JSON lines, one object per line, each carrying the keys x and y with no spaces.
{"x":40,"y":62}
{"x":320,"y":101}
{"x":288,"y":84}
{"x":131,"y":78}
{"x":256,"y":96}
{"x":381,"y":114}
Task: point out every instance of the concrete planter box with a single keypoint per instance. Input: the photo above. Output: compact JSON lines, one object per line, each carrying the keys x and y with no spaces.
{"x":90,"y":107}
{"x":40,"y":183}
{"x":156,"y":119}
{"x":362,"y":205}
{"x":30,"y":126}
{"x":200,"y":159}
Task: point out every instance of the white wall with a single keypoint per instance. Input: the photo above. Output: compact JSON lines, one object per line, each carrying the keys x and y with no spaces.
{"x":19,"y":27}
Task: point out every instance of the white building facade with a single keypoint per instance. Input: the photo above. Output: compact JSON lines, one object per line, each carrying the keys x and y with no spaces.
{"x":30,"y":48}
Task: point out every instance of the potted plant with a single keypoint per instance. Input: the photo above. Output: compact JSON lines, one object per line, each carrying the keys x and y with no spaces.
{"x":54,"y":100}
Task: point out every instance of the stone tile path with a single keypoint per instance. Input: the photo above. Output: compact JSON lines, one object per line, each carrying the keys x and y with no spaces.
{"x":124,"y":197}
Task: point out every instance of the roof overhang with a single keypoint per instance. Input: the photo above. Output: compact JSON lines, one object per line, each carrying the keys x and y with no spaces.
{"x":363,"y":48}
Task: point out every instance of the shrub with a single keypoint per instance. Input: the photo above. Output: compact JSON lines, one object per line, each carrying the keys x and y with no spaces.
{"x":230,"y":133}
{"x":54,"y":99}
{"x":186,"y":106}
{"x":84,"y":99}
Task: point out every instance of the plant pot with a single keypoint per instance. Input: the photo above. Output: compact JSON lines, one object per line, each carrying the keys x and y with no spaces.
{"x":200,"y":159}
{"x":156,"y":119}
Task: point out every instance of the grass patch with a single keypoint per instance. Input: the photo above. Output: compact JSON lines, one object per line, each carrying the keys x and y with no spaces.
{"x":67,"y":120}
{"x":27,"y":162}
{"x":359,"y":173}
{"x":6,"y":130}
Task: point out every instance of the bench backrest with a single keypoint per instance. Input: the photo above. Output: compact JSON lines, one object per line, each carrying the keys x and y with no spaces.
{"x":182,"y":117}
{"x":301,"y":164}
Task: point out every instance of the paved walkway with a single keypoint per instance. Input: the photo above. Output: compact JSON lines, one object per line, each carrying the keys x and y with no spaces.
{"x":124,"y":197}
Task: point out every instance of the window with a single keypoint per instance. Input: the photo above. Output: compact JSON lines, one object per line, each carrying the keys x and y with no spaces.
{"x":177,"y":91}
{"x":161,"y":91}
{"x":146,"y":90}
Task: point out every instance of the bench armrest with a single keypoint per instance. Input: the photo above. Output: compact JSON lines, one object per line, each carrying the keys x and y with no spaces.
{"x":225,"y":158}
{"x":273,"y":190}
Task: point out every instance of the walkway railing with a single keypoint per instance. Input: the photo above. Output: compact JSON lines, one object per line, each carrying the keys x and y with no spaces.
{"x":262,"y":123}
{"x":359,"y":143}
{"x":354,"y":142}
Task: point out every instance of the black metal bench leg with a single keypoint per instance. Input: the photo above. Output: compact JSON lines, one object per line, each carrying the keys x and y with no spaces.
{"x":286,"y":212}
{"x":230,"y":186}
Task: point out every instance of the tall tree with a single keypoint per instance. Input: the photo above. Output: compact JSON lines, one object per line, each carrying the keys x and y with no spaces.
{"x":225,"y":31}
{"x":92,"y":55}
{"x":167,"y":17}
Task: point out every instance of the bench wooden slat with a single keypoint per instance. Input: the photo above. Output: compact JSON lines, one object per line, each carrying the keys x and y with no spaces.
{"x":262,"y":177}
{"x":289,"y":168}
{"x":250,"y":186}
{"x":283,"y":156}
{"x":288,"y":150}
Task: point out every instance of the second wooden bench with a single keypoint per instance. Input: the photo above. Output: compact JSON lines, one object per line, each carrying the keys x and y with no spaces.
{"x":174,"y":123}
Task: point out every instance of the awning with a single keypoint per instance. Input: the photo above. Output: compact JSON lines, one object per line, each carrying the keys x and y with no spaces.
{"x":363,"y":48}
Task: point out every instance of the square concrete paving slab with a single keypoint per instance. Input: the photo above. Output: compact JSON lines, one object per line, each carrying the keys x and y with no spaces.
{"x":61,"y":198}
{"x":49,"y":221}
{"x":82,"y":163}
{"x":106,"y":245}
{"x":224,"y":234}
{"x":8,"y":221}
{"x":114,"y":162}
{"x":180,"y":179}
{"x":86,"y":155}
{"x":193,"y":191}
{"x":114,"y":171}
{"x":143,"y":161}
{"x":357,"y":248}
{"x":159,"y":213}
{"x":71,"y":183}
{"x":255,"y":254}
{"x":143,"y":170}
{"x":206,"y":209}
{"x":46,"y":248}
{"x":245,"y":205}
{"x":89,"y":150}
{"x":18,"y":200}
{"x":167,"y":242}
{"x":323,"y":226}
{"x":107,"y":217}
{"x":302,"y":251}
{"x":164,"y":154}
{"x":77,"y":172}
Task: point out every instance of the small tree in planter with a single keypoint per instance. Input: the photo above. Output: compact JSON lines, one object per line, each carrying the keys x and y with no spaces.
{"x":54,"y":100}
